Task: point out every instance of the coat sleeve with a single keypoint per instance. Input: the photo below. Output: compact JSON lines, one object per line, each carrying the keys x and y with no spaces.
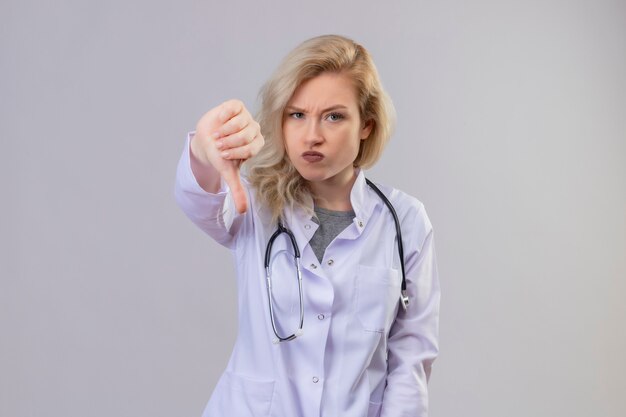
{"x":413,"y":338}
{"x":215,"y":214}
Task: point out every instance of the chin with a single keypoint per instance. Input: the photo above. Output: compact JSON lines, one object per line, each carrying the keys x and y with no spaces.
{"x":312,"y":175}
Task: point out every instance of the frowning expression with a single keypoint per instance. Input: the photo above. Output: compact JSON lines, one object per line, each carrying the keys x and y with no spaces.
{"x":323,"y":130}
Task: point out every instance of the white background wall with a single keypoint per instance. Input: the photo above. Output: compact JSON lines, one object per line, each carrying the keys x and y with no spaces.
{"x":512,"y":131}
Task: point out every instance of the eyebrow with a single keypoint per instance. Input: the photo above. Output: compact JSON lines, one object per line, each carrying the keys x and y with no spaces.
{"x":335,"y":107}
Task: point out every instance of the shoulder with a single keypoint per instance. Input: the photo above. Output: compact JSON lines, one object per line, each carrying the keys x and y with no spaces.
{"x":411,"y":212}
{"x":404,"y":203}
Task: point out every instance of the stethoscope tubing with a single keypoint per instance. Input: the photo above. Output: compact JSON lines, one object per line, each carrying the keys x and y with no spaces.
{"x":404,"y":299}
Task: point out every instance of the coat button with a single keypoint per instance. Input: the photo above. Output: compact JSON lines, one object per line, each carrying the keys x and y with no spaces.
{"x":330,"y":262}
{"x":316,"y":380}
{"x":320,"y":316}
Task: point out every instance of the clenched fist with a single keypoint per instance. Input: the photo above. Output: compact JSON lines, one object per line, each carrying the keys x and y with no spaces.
{"x":225,"y":136}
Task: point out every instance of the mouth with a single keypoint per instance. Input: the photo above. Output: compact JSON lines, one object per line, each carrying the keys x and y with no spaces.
{"x":312,"y":156}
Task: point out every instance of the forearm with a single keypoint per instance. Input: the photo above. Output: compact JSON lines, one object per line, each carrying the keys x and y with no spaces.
{"x":205,"y":209}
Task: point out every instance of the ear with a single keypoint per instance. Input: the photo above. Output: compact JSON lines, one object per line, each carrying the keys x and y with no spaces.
{"x":366,"y":129}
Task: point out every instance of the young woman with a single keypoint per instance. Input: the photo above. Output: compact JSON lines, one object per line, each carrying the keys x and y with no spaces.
{"x":335,"y":318}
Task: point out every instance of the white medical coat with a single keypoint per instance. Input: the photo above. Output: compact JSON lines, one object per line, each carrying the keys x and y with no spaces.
{"x":360,"y":354}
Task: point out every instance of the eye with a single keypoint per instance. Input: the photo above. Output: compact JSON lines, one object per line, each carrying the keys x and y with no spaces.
{"x":334,"y":117}
{"x":296,"y":115}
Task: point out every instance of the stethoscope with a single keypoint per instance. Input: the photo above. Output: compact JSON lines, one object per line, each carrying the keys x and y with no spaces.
{"x":404,"y":299}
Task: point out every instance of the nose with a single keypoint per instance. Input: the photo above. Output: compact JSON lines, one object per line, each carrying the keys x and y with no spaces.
{"x":313,"y":133}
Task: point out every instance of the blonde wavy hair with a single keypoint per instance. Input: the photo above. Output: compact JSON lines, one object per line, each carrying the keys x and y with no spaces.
{"x":276,"y":181}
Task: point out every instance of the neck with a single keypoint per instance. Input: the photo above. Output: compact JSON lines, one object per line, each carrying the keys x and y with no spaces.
{"x":334,"y":193}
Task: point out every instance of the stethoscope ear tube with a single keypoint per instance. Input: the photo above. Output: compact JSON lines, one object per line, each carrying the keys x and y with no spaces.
{"x":268,"y":251}
{"x":404,"y":298}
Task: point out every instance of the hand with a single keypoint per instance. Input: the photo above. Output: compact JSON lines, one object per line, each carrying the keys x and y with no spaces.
{"x":226,"y":136}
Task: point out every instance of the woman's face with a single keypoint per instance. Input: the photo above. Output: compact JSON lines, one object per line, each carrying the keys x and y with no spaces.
{"x":322,"y":129}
